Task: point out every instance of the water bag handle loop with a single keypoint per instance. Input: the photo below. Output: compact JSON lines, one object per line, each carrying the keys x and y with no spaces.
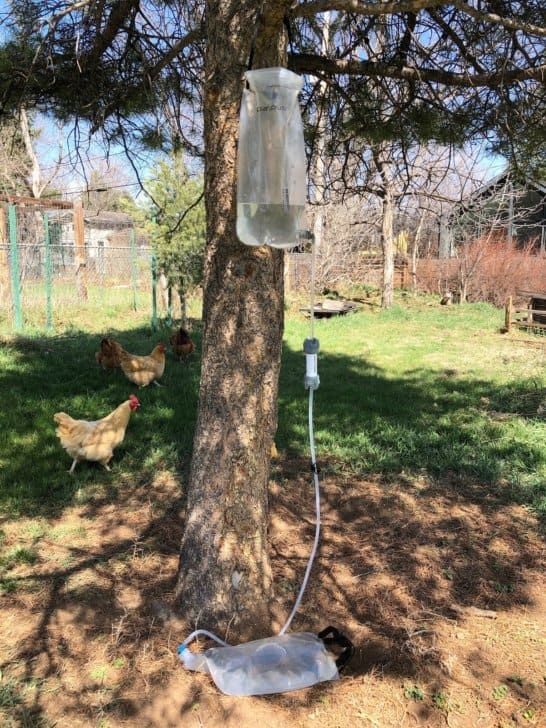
{"x":341,"y":640}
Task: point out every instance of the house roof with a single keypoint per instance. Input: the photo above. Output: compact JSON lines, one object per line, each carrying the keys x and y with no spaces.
{"x":106,"y":218}
{"x":101,"y":220}
{"x":501,"y":179}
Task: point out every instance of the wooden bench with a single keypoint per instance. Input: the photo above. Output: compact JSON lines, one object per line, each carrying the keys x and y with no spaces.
{"x":533,"y":316}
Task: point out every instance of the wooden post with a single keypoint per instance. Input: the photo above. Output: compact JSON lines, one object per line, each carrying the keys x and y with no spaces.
{"x":79,"y":243}
{"x":287,"y":273}
{"x":4,"y":266}
{"x":170,"y":306}
{"x":508,"y":314}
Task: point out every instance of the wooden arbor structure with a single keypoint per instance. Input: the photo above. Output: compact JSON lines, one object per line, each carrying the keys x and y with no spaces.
{"x":8,"y":236}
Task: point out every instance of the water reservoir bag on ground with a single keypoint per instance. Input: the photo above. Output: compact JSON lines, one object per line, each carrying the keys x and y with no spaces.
{"x":273,"y":665}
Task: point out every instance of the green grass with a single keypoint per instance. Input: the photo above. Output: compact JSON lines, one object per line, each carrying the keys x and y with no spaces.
{"x":423,"y":389}
{"x":110,"y":305}
{"x":18,"y":555}
{"x":416,"y":389}
{"x":41,"y":375}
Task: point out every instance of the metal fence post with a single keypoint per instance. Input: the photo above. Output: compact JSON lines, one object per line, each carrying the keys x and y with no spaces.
{"x":154,"y":293}
{"x":49,"y":323}
{"x":4,"y":261}
{"x":134,"y":268}
{"x":12,"y":217}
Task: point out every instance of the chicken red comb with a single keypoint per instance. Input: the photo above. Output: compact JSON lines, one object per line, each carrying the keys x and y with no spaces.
{"x":134,"y":399}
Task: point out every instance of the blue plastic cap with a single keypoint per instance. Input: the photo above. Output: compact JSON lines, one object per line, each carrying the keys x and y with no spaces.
{"x":181,"y":649}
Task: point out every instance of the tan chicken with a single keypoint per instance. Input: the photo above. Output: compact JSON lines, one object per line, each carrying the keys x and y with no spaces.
{"x":143,"y":370}
{"x":108,"y":355}
{"x":182,"y":344}
{"x":97,"y":440}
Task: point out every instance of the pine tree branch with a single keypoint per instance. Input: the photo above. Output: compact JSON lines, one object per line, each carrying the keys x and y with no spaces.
{"x":355,"y":7}
{"x":510,"y":23}
{"x":463,"y":48}
{"x":178,"y":47}
{"x":309,"y":63}
{"x":52,"y":20}
{"x":310,"y":9}
{"x":120,"y":11}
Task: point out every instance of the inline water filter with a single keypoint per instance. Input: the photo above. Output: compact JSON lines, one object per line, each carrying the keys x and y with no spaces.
{"x":271,"y":181}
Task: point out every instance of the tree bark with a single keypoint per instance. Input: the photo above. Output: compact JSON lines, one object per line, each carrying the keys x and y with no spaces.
{"x":380,"y":156}
{"x":319,"y":170}
{"x":164,"y":290}
{"x":225,"y":575}
{"x":415,"y":252}
{"x":35,"y":172}
{"x":387,"y":294}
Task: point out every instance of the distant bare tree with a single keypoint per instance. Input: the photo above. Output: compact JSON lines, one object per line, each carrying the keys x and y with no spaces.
{"x":424,"y":184}
{"x":21,"y":172}
{"x":106,"y":188}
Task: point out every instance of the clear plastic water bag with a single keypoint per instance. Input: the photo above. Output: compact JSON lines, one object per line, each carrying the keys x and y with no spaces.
{"x":271,"y":183}
{"x":272,"y":665}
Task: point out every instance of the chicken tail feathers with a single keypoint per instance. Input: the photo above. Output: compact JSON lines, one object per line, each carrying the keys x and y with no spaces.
{"x":109,"y":354}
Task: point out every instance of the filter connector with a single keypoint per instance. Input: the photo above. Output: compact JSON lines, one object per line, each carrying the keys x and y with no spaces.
{"x":311,"y":349}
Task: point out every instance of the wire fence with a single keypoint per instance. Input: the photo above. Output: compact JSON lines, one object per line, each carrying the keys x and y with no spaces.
{"x":352,"y":270}
{"x":50,"y":275}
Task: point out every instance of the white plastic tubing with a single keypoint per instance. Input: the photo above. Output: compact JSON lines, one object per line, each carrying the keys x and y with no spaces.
{"x":317,"y":523}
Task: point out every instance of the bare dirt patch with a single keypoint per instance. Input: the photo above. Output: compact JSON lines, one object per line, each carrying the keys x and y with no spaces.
{"x":440,"y":585}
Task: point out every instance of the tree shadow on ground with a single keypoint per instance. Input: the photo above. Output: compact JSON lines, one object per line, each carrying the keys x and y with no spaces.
{"x":420,"y":512}
{"x":423,"y":516}
{"x":91,"y":620}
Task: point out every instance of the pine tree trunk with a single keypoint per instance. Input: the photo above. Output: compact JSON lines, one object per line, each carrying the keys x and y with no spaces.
{"x":225,"y":574}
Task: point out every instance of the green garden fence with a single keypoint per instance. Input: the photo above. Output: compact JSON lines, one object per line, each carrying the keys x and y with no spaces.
{"x":51,"y":273}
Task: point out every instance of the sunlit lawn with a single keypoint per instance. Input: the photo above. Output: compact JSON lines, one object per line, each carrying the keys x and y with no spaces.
{"x":418,"y":388}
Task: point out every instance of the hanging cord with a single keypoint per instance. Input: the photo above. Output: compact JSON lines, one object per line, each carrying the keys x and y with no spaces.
{"x":312,"y":297}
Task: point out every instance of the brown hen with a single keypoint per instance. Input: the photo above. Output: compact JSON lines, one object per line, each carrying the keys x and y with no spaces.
{"x":182,"y":344}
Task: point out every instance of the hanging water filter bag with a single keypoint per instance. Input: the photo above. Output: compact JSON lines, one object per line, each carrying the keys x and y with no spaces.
{"x":271,"y":182}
